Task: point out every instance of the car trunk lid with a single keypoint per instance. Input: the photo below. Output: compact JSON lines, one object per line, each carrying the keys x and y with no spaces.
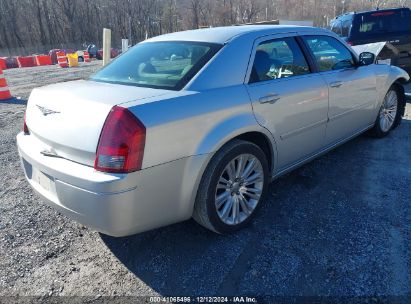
{"x":67,"y":118}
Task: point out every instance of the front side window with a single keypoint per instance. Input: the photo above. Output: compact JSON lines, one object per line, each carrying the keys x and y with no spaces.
{"x":279,"y":58}
{"x":164,"y":65}
{"x":329,"y":53}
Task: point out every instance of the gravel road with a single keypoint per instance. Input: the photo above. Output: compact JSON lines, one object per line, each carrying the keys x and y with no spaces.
{"x":337,"y":227}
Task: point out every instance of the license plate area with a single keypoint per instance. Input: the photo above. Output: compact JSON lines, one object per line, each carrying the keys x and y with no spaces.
{"x":45,"y":181}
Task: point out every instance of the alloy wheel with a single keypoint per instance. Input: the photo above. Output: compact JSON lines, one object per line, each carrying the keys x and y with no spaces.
{"x":239,"y":189}
{"x":388,"y":111}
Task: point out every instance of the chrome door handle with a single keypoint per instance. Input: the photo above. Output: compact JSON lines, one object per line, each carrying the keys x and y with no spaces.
{"x":336,"y":84}
{"x":273,"y":98}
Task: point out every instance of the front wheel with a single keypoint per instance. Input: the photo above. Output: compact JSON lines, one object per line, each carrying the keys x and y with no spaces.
{"x":232,"y":188}
{"x":389,"y":115}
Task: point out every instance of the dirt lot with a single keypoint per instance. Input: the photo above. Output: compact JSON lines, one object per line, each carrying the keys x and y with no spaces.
{"x":337,"y":227}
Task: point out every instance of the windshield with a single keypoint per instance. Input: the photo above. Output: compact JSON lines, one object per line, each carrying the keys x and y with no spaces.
{"x":382,"y":22}
{"x":163,"y":65}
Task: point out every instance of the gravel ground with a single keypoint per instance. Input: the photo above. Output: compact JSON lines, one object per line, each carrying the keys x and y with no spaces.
{"x":337,"y":227}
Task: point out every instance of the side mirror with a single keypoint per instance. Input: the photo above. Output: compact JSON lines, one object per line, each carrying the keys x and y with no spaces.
{"x":366,"y":58}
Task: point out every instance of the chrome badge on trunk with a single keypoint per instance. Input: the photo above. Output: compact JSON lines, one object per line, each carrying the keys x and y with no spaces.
{"x":46,"y":111}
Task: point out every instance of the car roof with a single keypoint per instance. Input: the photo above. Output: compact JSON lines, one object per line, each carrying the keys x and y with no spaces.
{"x":222,"y":35}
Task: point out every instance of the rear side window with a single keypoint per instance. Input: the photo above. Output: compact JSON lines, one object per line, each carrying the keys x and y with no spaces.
{"x":279,"y":58}
{"x":164,"y":65}
{"x":329,"y":53}
{"x":336,"y":27}
{"x":346,"y":27}
{"x":379,"y":22}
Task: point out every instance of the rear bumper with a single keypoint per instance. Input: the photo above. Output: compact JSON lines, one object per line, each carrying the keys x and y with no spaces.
{"x":114,"y":204}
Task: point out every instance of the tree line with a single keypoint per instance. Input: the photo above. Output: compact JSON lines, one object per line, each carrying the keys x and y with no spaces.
{"x":29,"y":26}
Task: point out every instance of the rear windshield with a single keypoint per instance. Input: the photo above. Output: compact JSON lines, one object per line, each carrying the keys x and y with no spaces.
{"x":163,"y":65}
{"x":380,"y":22}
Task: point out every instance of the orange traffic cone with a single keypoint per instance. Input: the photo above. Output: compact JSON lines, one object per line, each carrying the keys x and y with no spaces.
{"x":4,"y":90}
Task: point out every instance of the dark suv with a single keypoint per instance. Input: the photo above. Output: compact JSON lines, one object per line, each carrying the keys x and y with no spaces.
{"x":391,"y":25}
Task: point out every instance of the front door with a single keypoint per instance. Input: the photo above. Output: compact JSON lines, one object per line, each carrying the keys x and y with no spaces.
{"x":352,"y":88}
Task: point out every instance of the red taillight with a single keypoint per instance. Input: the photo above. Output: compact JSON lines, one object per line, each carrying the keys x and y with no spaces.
{"x":25,"y":128}
{"x":121,"y":145}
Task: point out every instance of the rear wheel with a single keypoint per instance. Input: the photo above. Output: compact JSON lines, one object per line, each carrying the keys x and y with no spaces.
{"x":232,"y":188}
{"x":389,"y":115}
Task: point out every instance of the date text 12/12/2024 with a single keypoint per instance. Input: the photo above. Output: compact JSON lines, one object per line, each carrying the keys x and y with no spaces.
{"x":239,"y":299}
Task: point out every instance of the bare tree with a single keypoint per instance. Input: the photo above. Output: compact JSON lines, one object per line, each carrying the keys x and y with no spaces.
{"x":28,"y":26}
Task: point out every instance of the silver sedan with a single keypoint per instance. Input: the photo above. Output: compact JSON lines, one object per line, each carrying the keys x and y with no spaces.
{"x":198,"y":123}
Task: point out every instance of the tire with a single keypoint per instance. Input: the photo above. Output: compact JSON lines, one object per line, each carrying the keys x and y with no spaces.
{"x":402,"y":103}
{"x":216,"y":186}
{"x":387,"y":118}
{"x":80,"y":59}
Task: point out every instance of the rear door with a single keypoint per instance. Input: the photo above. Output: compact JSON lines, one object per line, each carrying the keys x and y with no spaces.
{"x":288,"y":98}
{"x":352,"y":89}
